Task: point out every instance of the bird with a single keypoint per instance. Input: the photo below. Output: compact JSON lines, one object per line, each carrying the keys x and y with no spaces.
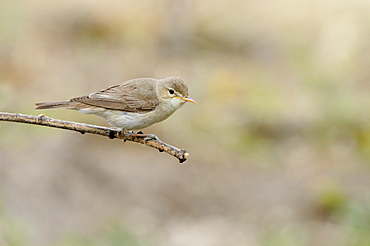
{"x":132,"y":105}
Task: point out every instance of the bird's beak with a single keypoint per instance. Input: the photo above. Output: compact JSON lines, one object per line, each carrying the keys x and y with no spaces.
{"x":188,"y":99}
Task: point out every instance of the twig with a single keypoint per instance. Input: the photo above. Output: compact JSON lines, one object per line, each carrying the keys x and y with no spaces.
{"x":112,"y":133}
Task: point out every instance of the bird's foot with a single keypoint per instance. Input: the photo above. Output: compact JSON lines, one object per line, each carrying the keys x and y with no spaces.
{"x":140,"y":134}
{"x":150,"y":137}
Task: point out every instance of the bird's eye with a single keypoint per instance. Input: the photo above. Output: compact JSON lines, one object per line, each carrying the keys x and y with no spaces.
{"x":171,"y":91}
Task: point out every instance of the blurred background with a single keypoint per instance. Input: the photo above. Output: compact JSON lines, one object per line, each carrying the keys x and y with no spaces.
{"x":279,"y":141}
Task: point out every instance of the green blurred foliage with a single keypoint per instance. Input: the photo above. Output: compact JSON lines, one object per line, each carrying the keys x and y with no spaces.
{"x":12,"y":232}
{"x":114,"y":235}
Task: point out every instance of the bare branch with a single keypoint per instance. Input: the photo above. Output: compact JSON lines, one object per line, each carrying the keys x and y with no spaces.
{"x":112,"y":133}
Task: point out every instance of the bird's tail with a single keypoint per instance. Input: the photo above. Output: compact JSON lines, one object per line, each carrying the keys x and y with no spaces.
{"x":52,"y":105}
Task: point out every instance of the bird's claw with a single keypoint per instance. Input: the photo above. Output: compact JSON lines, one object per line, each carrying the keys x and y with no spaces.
{"x":140,"y":134}
{"x":150,"y":137}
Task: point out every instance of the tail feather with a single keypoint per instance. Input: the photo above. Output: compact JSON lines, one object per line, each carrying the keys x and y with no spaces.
{"x":52,"y":105}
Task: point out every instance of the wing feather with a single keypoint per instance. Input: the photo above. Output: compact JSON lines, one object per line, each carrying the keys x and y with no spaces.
{"x":137,"y":95}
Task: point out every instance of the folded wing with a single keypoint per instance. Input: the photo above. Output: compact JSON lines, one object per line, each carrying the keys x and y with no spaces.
{"x":137,"y":95}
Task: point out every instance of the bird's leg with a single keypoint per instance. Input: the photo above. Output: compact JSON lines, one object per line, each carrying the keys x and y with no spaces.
{"x":140,"y":134}
{"x":124,"y":134}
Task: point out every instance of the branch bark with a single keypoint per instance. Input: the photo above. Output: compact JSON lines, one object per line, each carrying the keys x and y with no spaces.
{"x":112,"y":133}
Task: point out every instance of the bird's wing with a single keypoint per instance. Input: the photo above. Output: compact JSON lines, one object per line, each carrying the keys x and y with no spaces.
{"x":138,"y":95}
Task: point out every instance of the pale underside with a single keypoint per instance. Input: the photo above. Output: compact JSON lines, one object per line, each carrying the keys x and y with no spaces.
{"x":136,"y":120}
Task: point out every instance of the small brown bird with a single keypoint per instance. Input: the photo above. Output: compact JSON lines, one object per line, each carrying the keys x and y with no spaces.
{"x":133,"y":104}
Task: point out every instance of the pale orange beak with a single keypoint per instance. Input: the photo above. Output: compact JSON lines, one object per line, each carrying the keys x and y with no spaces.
{"x":188,"y":99}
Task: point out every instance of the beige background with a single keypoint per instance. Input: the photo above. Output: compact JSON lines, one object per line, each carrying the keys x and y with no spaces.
{"x":279,"y":142}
